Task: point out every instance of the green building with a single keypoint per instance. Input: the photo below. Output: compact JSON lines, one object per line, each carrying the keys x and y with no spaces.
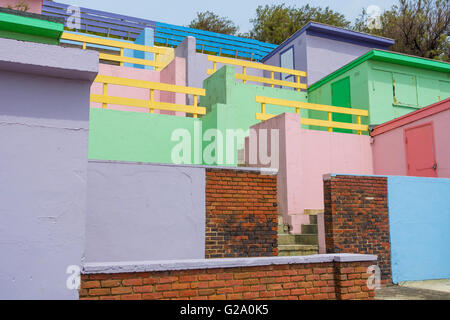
{"x":387,"y":84}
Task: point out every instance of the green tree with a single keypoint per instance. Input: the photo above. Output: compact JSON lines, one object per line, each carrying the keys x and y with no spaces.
{"x":276,"y":23}
{"x":419,"y":27}
{"x":210,"y":21}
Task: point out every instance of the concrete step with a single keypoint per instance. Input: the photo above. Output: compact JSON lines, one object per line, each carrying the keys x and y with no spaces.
{"x":313,"y":212}
{"x":307,"y":239}
{"x":312,"y":219}
{"x":297,"y":250}
{"x":309,"y":229}
{"x":286,"y":239}
{"x":283,"y":229}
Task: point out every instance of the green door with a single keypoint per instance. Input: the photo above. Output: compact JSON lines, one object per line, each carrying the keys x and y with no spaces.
{"x":340,"y":97}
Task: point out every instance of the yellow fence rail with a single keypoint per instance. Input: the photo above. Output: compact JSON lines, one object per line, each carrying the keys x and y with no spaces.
{"x":150,"y":104}
{"x":330,"y":124}
{"x":255,"y":65}
{"x":157,"y":51}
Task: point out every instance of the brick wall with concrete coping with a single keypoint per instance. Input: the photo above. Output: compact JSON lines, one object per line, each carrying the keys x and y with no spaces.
{"x":357,"y":217}
{"x":334,"y":276}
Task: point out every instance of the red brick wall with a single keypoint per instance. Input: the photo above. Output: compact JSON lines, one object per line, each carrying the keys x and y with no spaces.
{"x":295,"y":282}
{"x":241,"y":214}
{"x":356,"y":218}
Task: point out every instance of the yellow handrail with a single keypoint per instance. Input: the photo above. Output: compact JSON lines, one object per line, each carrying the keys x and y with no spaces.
{"x":263,"y":116}
{"x":150,"y":104}
{"x":157,"y":51}
{"x":255,"y":65}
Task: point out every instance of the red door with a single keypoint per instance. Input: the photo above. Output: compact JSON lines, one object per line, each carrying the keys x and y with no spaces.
{"x":420,"y":152}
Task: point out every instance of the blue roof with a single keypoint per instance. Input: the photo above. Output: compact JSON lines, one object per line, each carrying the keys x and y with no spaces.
{"x":336,"y":33}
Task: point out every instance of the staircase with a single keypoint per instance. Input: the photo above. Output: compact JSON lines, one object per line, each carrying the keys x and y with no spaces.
{"x":298,"y":244}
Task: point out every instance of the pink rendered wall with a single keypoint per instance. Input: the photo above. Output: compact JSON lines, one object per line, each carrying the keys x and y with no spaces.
{"x":307,"y":155}
{"x":35,"y":6}
{"x":388,"y":148}
{"x":173,"y":73}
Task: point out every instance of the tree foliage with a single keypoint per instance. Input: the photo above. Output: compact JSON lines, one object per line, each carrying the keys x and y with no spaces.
{"x":210,"y":21}
{"x":276,"y":23}
{"x":419,"y":27}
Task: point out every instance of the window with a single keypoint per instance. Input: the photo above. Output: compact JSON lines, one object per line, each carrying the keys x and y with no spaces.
{"x":287,"y":61}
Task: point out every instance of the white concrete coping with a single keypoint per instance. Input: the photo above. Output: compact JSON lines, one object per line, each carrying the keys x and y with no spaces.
{"x":263,"y":171}
{"x":151,"y":266}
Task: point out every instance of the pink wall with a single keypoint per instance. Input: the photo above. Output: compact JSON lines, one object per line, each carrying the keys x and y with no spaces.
{"x":307,"y":155}
{"x":173,"y":73}
{"x":34,"y":5}
{"x":389,"y":153}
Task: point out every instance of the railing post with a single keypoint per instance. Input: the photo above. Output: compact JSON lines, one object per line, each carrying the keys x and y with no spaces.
{"x":195,"y":103}
{"x":298,"y":82}
{"x":152,"y":99}
{"x":330,"y":118}
{"x":263,"y":108}
{"x":358,"y":121}
{"x":156,"y":62}
{"x":105,"y":94}
{"x":272,"y":76}
{"x":121,"y":55}
{"x":84,"y":45}
{"x":214,"y":66}
{"x":244,"y":72}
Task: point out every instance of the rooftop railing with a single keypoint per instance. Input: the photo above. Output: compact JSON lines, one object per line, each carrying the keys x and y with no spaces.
{"x":329,"y":123}
{"x":150,"y":103}
{"x":255,"y":65}
{"x":85,"y":40}
{"x":127,"y":27}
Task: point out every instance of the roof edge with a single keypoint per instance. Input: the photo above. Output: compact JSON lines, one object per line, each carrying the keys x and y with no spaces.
{"x":386,"y":56}
{"x":325,"y":29}
{"x":412,"y":117}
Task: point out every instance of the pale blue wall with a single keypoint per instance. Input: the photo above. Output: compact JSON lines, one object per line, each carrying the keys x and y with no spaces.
{"x":146,"y":38}
{"x":419,"y":222}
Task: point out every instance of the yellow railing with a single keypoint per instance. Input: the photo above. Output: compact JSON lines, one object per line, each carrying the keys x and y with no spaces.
{"x":157,"y":51}
{"x":150,"y":104}
{"x":255,"y":65}
{"x":330,"y":124}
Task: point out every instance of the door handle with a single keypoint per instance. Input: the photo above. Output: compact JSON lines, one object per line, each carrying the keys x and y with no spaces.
{"x":435,"y":166}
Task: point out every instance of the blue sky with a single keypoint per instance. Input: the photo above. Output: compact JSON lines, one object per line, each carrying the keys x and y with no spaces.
{"x":181,"y":12}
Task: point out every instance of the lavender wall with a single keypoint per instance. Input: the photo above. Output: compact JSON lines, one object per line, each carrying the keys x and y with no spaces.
{"x":44,"y":114}
{"x":318,"y":56}
{"x":142,"y":211}
{"x":325,"y":56}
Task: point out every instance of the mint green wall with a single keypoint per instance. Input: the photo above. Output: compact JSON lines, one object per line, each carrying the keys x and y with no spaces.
{"x":415,"y":88}
{"x":372,"y":89}
{"x":144,"y":137}
{"x":133,"y":136}
{"x":359,"y":94}
{"x":231,"y":104}
{"x":222,"y":87}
